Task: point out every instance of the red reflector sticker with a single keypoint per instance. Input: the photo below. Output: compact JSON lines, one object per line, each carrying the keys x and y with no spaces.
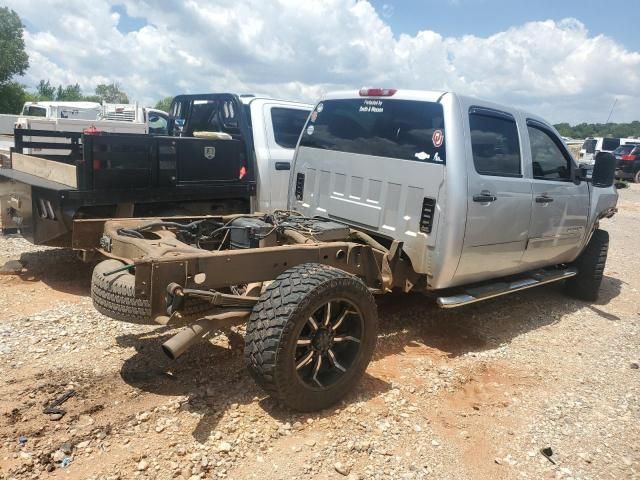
{"x":437,"y":138}
{"x":243,"y":172}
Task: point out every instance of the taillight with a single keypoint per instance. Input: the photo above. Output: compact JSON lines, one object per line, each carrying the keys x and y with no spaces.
{"x":92,"y":130}
{"x":629,"y":157}
{"x":243,"y":172}
{"x":377,"y":92}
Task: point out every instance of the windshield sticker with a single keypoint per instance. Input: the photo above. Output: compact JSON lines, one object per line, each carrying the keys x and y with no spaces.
{"x":314,"y":115}
{"x":310,"y":130}
{"x":319,"y":108}
{"x":422,"y":156}
{"x":437,"y":138}
{"x":372,"y":106}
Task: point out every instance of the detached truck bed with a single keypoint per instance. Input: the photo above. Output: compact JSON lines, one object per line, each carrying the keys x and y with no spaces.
{"x":122,"y":175}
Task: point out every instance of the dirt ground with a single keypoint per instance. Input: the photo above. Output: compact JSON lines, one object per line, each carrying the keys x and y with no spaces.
{"x":473,"y":393}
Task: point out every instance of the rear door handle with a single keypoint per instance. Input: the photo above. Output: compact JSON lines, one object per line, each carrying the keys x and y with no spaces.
{"x":485,"y":196}
{"x":283,"y":165}
{"x":544,"y":199}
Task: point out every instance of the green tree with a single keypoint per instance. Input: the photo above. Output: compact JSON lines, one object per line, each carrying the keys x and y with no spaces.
{"x":70,"y":93}
{"x":111,"y":93}
{"x":45,"y":91}
{"x":13,"y":61}
{"x":12,"y":97}
{"x":164,"y":104}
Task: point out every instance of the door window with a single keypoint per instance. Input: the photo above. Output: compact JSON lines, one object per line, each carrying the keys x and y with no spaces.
{"x":494,"y":143}
{"x":548,"y":160}
{"x":287,"y":125}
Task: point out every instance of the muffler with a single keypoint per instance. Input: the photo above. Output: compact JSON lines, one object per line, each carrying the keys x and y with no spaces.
{"x":187,"y":337}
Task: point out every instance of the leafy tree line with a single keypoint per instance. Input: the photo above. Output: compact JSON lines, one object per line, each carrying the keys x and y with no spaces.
{"x":584,"y":130}
{"x":108,"y":93}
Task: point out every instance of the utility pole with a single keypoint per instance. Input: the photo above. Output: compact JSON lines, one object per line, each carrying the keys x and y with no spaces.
{"x":611,"y":111}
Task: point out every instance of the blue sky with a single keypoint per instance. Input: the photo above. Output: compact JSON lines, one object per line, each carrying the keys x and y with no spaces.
{"x":618,"y":19}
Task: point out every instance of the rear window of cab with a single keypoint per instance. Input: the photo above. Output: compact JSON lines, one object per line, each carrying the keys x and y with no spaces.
{"x":399,"y":129}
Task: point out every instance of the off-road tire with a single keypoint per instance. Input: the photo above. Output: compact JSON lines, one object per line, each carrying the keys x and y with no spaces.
{"x":590,"y":264}
{"x":275,"y":320}
{"x":114,"y":296}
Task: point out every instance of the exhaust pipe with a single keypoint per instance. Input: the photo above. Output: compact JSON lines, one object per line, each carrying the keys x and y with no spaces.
{"x":186,"y":338}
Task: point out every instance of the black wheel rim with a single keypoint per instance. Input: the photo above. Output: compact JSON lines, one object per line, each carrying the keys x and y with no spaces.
{"x":329,"y":344}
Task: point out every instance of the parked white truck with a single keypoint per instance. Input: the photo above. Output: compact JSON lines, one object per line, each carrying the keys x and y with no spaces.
{"x":430,"y":192}
{"x":223,"y":154}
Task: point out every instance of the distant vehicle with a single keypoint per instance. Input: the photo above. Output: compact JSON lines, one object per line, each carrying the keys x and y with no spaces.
{"x":79,"y":116}
{"x":593,"y":145}
{"x":624,"y":150}
{"x":78,"y":110}
{"x":628,"y":167}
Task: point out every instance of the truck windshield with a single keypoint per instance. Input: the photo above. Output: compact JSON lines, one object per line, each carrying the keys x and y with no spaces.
{"x":403,"y":129}
{"x":32,"y":111}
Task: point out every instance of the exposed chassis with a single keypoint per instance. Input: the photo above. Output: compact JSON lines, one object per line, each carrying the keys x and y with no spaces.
{"x":167,"y":270}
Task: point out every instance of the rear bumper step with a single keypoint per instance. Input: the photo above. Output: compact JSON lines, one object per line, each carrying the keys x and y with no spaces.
{"x":496,"y":289}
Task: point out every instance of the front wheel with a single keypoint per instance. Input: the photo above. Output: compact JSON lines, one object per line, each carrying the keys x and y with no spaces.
{"x":311,"y":336}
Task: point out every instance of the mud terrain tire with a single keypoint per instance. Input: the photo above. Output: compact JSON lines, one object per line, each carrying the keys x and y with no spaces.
{"x":276,"y":329}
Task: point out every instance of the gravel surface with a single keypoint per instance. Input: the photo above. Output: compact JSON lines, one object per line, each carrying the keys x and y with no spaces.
{"x":473,"y":393}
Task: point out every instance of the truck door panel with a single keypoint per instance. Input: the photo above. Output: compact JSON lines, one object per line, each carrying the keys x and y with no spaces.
{"x":498,"y":199}
{"x":560,"y":208}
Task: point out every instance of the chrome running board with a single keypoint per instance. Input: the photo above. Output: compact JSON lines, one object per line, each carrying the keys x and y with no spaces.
{"x":492,"y":290}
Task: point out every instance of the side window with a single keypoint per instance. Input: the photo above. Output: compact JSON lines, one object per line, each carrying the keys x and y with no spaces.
{"x":287,"y":125}
{"x":548,"y":160}
{"x":36,"y":111}
{"x":157,"y":124}
{"x":609,"y":144}
{"x":495,"y":145}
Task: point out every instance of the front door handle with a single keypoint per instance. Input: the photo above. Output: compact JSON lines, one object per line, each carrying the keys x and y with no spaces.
{"x":485,"y":196}
{"x":544,"y":199}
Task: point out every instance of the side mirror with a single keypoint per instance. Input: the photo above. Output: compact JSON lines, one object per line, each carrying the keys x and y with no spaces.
{"x":579,"y":174}
{"x":604,"y":170}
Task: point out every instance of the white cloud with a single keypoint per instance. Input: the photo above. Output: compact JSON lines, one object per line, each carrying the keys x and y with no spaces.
{"x":296,"y":49}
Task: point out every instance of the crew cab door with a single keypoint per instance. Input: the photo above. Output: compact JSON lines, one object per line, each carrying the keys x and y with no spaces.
{"x":283,"y":125}
{"x":498,"y":198}
{"x":560,"y":208}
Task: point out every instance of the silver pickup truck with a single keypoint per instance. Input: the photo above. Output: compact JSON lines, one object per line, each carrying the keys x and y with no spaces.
{"x":433,"y":192}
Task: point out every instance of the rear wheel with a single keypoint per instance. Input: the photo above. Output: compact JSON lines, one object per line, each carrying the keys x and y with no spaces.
{"x":636,"y":177}
{"x":311,"y":336}
{"x":590,"y":264}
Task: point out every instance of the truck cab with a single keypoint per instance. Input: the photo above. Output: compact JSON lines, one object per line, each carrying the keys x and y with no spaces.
{"x":275,"y":127}
{"x":473,"y":189}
